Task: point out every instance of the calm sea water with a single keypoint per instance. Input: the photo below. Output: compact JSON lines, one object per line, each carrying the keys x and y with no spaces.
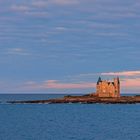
{"x":67,"y":121}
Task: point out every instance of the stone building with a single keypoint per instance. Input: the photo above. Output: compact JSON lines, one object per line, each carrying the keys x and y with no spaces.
{"x":106,"y":88}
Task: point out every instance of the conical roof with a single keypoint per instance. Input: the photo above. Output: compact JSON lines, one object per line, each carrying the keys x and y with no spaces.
{"x":99,"y":80}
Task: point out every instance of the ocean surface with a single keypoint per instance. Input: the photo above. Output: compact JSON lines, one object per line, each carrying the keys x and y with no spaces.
{"x":67,"y":121}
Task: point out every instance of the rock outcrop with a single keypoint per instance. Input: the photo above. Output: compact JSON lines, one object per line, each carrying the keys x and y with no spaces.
{"x":85,"y":99}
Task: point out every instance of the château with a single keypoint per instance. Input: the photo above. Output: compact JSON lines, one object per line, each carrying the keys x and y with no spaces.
{"x":105,"y":88}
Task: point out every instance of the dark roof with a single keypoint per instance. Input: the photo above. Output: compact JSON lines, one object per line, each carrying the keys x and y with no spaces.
{"x":99,"y":80}
{"x":118,"y":80}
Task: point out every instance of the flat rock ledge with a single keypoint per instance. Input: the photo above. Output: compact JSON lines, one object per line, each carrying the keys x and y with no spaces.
{"x":85,"y":99}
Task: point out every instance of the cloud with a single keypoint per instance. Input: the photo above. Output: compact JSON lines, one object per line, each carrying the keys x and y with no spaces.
{"x":20,"y":8}
{"x":127,"y":85}
{"x":123,"y":73}
{"x":17,"y":51}
{"x":58,"y":85}
{"x":131,"y":83}
{"x":99,"y":25}
{"x":37,"y":13}
{"x":111,"y":34}
{"x":45,"y":4}
{"x":35,"y":9}
{"x":64,"y":2}
{"x":130,"y":80}
{"x":40,"y":4}
{"x":55,"y":84}
{"x":61,"y":28}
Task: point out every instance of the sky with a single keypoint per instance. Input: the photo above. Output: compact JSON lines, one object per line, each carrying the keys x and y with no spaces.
{"x":63,"y":46}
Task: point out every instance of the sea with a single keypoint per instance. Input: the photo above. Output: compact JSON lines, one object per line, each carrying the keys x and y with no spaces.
{"x":67,"y":121}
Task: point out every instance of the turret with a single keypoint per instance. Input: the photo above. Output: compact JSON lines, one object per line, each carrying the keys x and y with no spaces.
{"x":98,"y":85}
{"x":99,"y":80}
{"x":117,"y":86}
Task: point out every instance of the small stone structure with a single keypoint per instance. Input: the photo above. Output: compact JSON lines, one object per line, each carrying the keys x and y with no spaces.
{"x":106,"y":88}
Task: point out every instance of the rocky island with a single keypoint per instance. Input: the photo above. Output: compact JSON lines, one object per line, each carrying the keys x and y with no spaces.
{"x":86,"y":99}
{"x":107,"y":92}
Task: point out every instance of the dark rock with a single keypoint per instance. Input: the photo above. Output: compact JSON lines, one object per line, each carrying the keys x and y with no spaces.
{"x":88,"y":99}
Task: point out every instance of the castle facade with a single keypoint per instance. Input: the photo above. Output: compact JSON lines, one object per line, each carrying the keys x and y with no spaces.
{"x":106,"y":88}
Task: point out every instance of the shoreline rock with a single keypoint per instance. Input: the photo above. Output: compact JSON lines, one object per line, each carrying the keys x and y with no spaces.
{"x":88,"y":99}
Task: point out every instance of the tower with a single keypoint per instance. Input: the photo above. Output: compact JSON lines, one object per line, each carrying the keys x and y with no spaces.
{"x":98,"y":85}
{"x":117,"y":87}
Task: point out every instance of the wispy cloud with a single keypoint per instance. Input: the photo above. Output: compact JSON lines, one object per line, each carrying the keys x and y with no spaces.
{"x":55,"y":84}
{"x":127,"y":84}
{"x":44,"y":4}
{"x":58,"y":85}
{"x":123,"y":73}
{"x":17,"y":51}
{"x":89,"y":34}
{"x":111,"y":34}
{"x":34,"y":9}
{"x":120,"y":73}
{"x":37,"y":13}
{"x":64,"y":2}
{"x":40,"y":3}
{"x":20,"y":8}
{"x":131,"y":83}
{"x":99,"y":25}
{"x":37,"y":5}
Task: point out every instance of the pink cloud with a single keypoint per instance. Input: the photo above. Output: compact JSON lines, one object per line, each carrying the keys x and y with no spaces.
{"x":130,"y":83}
{"x":127,"y":85}
{"x":123,"y":73}
{"x":53,"y":84}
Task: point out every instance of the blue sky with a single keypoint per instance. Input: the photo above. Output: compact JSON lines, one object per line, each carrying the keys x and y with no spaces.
{"x":62,"y":46}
